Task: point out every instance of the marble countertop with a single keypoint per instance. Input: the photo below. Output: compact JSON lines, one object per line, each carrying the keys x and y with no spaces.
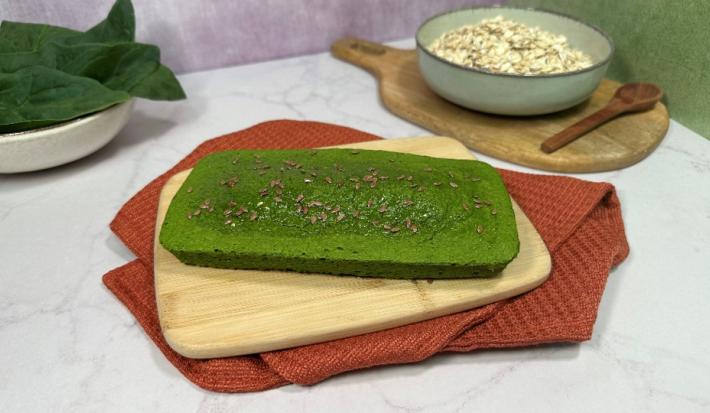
{"x":68,"y":345}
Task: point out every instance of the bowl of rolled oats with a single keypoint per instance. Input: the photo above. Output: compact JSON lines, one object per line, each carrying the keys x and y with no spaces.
{"x":512,"y":61}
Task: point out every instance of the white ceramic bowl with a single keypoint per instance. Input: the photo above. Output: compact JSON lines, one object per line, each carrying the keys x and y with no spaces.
{"x":55,"y":145}
{"x":509,"y":94}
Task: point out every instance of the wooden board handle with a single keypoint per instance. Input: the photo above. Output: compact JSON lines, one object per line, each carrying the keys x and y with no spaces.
{"x":368,"y":55}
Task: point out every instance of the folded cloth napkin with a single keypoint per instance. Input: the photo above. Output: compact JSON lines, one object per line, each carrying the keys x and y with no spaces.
{"x":579,"y":221}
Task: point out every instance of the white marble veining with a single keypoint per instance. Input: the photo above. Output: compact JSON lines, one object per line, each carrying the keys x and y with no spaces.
{"x":66,"y":344}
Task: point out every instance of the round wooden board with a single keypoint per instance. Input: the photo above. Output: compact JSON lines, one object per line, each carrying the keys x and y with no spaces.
{"x":617,"y":144}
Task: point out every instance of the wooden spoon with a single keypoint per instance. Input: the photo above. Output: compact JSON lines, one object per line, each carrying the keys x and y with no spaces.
{"x":631,"y":97}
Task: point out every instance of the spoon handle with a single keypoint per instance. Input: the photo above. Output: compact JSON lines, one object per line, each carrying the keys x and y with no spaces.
{"x":573,"y":132}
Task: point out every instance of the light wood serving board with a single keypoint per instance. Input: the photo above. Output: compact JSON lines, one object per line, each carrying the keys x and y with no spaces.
{"x":209,"y":312}
{"x":617,"y":144}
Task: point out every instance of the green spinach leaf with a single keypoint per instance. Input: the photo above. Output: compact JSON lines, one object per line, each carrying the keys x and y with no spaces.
{"x":159,"y":85}
{"x":38,"y":96}
{"x":119,"y":26}
{"x":51,"y":74}
{"x":18,"y":37}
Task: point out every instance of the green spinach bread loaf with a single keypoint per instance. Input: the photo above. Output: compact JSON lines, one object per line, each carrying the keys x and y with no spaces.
{"x":343,"y":211}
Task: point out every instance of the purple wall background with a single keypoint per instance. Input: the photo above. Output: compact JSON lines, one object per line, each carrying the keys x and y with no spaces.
{"x":203,"y":34}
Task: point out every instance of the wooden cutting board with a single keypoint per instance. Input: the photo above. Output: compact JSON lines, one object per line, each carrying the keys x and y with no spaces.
{"x":617,"y":144}
{"x":208,"y":312}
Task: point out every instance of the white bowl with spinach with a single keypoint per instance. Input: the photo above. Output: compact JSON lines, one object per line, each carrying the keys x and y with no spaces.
{"x":73,"y":90}
{"x":61,"y":143}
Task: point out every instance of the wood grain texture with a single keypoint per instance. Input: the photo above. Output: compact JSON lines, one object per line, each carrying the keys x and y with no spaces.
{"x":208,"y":312}
{"x":617,"y":144}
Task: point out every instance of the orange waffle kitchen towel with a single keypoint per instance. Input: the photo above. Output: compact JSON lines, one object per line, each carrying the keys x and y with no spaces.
{"x":580,"y":222}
